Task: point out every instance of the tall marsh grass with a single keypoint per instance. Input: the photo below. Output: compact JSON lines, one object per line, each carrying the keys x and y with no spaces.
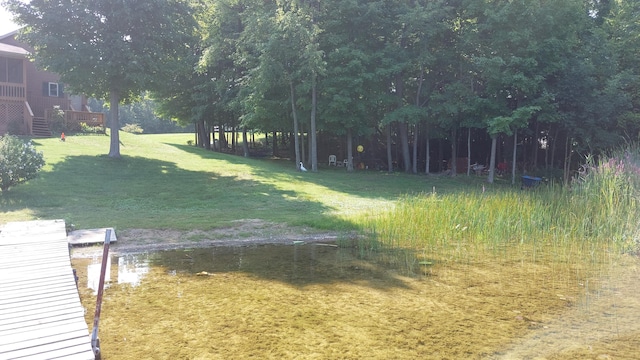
{"x":595,"y":216}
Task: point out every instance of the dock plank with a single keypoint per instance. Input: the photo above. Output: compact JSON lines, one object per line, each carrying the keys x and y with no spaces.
{"x":41,"y":316}
{"x":91,"y":236}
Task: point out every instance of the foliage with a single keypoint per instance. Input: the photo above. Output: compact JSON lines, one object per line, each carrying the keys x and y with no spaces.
{"x":133,"y":129}
{"x":57,"y":120}
{"x":143,"y":112}
{"x":599,"y":211}
{"x":561,"y":75}
{"x":124,"y":48}
{"x":19,"y":161}
{"x":86,"y":129}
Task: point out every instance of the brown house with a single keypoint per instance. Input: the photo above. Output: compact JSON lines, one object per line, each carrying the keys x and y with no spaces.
{"x":31,"y":98}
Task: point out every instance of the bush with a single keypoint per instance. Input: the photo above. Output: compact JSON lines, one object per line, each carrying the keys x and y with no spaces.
{"x":56,"y":118}
{"x":86,"y":129}
{"x":19,"y":161}
{"x":132,"y":129}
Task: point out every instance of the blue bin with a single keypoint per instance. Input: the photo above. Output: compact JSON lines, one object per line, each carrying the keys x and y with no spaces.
{"x":530,"y":182}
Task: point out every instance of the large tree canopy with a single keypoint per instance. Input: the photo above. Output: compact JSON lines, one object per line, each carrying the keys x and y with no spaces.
{"x":528,"y":79}
{"x":112,"y":50}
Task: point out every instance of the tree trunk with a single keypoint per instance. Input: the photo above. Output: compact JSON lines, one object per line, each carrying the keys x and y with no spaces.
{"x":468,"y":151}
{"x":275,"y":143}
{"x":492,"y":159}
{"x":403,"y":132}
{"x":535,"y":145}
{"x":114,"y":102}
{"x":389,"y":153}
{"x":211,"y":133}
{"x":245,"y":142}
{"x":295,"y":124}
{"x":222,"y":142}
{"x":440,"y":155}
{"x":303,"y":153}
{"x":427,"y":153}
{"x":195,"y":129}
{"x":454,"y":151}
{"x":515,"y":157}
{"x":553,"y":146}
{"x":415,"y":150}
{"x":233,"y":140}
{"x":201,"y":133}
{"x":567,"y":160}
{"x":312,"y":131}
{"x":207,"y":136}
{"x":349,"y":150}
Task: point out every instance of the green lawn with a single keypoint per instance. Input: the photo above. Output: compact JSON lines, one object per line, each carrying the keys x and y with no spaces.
{"x":162,"y":183}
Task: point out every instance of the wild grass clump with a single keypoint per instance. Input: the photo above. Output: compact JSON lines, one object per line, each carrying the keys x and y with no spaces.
{"x":598,"y":211}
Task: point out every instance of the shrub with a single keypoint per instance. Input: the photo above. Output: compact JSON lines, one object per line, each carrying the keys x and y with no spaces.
{"x":56,"y":118}
{"x":132,"y":128}
{"x":19,"y":161}
{"x":87,"y":129}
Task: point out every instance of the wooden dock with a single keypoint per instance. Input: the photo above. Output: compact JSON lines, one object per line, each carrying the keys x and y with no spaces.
{"x":41,"y":316}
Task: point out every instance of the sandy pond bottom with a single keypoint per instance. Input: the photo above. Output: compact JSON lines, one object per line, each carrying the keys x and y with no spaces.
{"x":321,"y":302}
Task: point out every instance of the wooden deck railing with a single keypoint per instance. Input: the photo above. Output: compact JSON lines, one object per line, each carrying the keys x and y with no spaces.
{"x":73,"y":119}
{"x":13,"y":92}
{"x":89,"y":118}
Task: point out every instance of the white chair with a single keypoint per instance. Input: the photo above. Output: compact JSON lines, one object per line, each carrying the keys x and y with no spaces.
{"x":333,"y":160}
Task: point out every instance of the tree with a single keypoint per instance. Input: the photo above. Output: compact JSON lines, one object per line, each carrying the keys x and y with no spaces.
{"x":355,"y":84}
{"x":105,"y":49}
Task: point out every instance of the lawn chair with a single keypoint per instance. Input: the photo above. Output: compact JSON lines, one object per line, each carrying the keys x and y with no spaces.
{"x":333,"y":160}
{"x":478,"y":168}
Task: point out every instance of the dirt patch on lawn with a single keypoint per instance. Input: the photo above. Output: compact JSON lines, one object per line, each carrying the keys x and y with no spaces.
{"x":241,"y":233}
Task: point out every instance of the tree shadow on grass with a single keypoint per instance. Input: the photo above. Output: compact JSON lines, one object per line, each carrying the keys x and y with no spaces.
{"x":136,"y":192}
{"x":361,"y":183}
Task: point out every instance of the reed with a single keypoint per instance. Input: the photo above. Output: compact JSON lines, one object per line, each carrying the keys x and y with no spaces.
{"x":596,"y":215}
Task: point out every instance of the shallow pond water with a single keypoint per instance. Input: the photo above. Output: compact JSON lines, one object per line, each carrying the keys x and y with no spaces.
{"x":319,"y":301}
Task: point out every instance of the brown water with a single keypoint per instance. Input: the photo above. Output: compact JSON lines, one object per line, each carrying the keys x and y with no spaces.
{"x":322,"y":302}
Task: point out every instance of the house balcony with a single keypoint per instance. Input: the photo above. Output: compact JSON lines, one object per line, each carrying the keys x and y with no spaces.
{"x":13,"y":92}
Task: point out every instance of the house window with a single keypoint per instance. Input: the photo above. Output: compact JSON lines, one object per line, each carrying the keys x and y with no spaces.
{"x":11,"y":70}
{"x":14,"y":71}
{"x":3,"y":69}
{"x":53,"y":89}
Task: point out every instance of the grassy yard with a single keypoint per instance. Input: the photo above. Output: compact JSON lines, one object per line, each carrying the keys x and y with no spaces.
{"x":162,"y":183}
{"x":450,"y":268}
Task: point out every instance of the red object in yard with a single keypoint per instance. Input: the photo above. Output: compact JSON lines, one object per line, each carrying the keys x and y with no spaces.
{"x":62,"y":137}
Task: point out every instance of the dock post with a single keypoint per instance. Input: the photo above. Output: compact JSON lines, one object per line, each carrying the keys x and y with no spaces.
{"x":95,"y":341}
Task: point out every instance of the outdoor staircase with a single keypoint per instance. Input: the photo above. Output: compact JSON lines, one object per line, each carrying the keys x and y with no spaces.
{"x":40,"y":128}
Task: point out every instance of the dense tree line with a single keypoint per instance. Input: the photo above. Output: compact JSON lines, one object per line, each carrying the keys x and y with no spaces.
{"x":535,"y":84}
{"x":530,"y":83}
